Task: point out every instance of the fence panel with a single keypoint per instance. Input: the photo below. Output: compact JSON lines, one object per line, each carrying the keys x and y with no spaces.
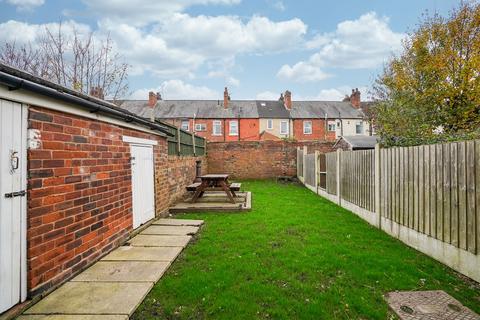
{"x":331,"y":160}
{"x":310,"y":169}
{"x":299,"y":163}
{"x":184,"y":143}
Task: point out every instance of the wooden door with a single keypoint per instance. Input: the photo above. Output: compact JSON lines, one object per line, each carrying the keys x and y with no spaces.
{"x":12,"y":203}
{"x":142,"y":184}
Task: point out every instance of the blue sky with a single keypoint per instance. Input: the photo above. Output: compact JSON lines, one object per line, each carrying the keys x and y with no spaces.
{"x":191,"y":49}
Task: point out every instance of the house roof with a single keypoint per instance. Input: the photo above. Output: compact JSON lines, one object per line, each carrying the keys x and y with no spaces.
{"x":360,"y":142}
{"x":203,"y":109}
{"x":272,"y":109}
{"x":16,"y":79}
{"x":324,"y":109}
{"x":213,"y":109}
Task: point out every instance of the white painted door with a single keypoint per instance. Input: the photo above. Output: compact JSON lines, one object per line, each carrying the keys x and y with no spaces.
{"x":142,"y":184}
{"x":12,"y":203}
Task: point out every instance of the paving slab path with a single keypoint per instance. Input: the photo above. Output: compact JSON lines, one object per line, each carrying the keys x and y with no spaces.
{"x":114,"y":287}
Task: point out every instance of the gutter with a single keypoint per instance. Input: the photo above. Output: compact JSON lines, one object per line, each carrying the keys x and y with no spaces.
{"x":16,"y":83}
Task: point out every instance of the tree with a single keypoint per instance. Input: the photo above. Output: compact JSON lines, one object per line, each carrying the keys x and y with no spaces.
{"x":77,"y":61}
{"x":431,"y":91}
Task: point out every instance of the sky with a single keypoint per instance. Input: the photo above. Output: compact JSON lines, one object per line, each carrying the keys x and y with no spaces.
{"x":192,"y":49}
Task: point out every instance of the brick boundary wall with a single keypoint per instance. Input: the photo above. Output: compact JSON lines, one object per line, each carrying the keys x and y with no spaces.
{"x":79,"y":192}
{"x":259,"y":159}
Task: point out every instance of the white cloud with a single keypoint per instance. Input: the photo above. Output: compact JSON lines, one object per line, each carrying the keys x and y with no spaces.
{"x":177,"y":89}
{"x":143,"y":12}
{"x":24,"y":33}
{"x":26,"y":5}
{"x":279,"y":5}
{"x":356,"y":44}
{"x":302,"y":72}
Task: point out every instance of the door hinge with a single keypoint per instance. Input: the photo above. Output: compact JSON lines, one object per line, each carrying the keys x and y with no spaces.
{"x":15,"y":194}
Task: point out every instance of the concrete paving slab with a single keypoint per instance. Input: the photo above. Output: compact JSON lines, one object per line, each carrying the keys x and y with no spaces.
{"x":93,"y":298}
{"x":170,"y":230}
{"x":142,"y":240}
{"x":129,"y":253}
{"x":124,"y":271}
{"x":72,"y":317}
{"x":178,"y":222}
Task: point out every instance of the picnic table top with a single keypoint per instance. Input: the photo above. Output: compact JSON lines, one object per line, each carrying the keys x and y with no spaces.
{"x":214,"y":176}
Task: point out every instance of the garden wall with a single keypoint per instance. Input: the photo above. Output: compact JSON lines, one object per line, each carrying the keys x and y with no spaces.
{"x":258,"y":159}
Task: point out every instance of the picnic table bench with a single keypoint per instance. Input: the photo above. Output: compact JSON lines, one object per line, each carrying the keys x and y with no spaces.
{"x":214,"y":182}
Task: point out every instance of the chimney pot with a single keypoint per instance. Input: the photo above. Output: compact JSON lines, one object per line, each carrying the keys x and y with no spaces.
{"x":355,"y":98}
{"x":159,"y":96}
{"x":152,"y":99}
{"x":97,"y":92}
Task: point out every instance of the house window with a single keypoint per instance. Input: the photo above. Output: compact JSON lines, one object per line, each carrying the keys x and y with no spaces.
{"x":185,"y":125}
{"x":233,"y":126}
{"x":331,"y":126}
{"x":359,"y":128}
{"x":307,"y":127}
{"x":217,"y":128}
{"x":283,"y":127}
{"x":200,"y":127}
{"x":269,"y":124}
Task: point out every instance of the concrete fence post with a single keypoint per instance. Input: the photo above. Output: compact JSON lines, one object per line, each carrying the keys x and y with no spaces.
{"x":377,"y":184}
{"x":317,"y":170}
{"x":304,"y":163}
{"x":339,"y":176}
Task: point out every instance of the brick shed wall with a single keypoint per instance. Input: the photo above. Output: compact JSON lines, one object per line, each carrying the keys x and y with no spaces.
{"x":181,"y":172}
{"x":79,"y":192}
{"x":259,"y":159}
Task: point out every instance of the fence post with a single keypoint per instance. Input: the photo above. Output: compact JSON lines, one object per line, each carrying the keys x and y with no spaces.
{"x":304,"y":163}
{"x":193,"y":144}
{"x":317,"y":169}
{"x":178,"y":142}
{"x":377,"y":184}
{"x":339,"y":182}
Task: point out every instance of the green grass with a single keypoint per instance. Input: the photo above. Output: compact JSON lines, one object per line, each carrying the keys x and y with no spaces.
{"x":294,"y":256}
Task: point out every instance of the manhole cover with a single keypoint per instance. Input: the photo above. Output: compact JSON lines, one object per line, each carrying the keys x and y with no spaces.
{"x":428,"y":305}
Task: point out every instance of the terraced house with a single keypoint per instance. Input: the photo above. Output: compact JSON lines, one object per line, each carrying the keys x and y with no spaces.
{"x":256,"y":120}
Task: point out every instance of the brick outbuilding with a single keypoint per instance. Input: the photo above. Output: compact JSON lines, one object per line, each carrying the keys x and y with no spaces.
{"x":77,"y":175}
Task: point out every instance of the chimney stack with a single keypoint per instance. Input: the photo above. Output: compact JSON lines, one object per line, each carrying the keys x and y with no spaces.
{"x":226,"y":98}
{"x":281,"y":97}
{"x":355,"y":98}
{"x":97,"y":92}
{"x":287,"y":98}
{"x":152,"y":99}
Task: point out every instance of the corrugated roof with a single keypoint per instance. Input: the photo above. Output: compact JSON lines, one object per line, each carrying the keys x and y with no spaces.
{"x":213,"y":109}
{"x":272,"y":109}
{"x":361,"y":142}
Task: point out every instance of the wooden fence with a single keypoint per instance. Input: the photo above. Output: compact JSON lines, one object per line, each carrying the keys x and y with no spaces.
{"x":184,"y":143}
{"x":424,"y":194}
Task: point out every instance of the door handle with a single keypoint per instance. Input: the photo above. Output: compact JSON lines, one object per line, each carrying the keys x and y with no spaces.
{"x":15,"y":194}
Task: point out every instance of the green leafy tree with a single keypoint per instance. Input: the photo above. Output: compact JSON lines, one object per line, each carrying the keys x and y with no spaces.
{"x":431,"y":91}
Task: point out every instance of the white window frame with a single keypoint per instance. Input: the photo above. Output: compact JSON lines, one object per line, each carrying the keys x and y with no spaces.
{"x":200,"y":127}
{"x":214,"y":125}
{"x":332,"y":126}
{"x":305,"y":122}
{"x":269,"y":124}
{"x":286,"y":127}
{"x":187,"y":122}
{"x":359,"y":124}
{"x":230,"y":127}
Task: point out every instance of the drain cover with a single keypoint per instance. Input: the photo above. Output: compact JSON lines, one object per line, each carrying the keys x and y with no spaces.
{"x":428,"y":305}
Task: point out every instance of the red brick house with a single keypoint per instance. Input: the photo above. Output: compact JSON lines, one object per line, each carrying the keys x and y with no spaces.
{"x":69,"y":184}
{"x":255,"y":120}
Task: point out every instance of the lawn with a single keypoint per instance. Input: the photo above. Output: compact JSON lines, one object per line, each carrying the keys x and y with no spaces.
{"x":294,"y":256}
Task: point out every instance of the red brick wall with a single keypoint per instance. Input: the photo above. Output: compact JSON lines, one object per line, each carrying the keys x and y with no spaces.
{"x":258,"y":160}
{"x":79,"y":192}
{"x":318,"y":131}
{"x":181,"y":172}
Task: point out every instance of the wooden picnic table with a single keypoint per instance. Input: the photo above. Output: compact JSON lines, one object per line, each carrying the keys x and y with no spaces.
{"x":214,"y":182}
